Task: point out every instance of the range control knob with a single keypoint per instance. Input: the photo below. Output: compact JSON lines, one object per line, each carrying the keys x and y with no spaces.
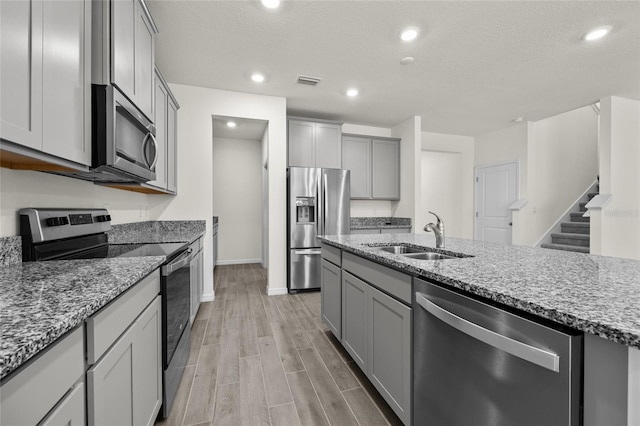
{"x":57,"y":221}
{"x":103,"y":218}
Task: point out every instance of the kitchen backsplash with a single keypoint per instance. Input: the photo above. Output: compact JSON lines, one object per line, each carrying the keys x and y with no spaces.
{"x":10,"y":251}
{"x":155,"y":231}
{"x":358,"y":222}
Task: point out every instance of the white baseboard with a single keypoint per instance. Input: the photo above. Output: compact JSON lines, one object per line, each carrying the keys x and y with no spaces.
{"x":237,"y":261}
{"x":277,"y":291}
{"x":207,"y":297}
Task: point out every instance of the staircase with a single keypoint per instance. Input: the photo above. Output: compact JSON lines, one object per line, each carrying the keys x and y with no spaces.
{"x":573,"y":235}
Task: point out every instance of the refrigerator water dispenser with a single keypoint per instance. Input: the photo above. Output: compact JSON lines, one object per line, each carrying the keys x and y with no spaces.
{"x":305,"y":210}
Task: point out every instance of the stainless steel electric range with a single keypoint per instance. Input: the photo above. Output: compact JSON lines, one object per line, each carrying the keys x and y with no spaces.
{"x":66,"y":234}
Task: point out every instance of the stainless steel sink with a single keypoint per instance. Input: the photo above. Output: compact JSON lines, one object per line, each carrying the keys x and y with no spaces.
{"x":401,"y":249}
{"x":429,"y":255}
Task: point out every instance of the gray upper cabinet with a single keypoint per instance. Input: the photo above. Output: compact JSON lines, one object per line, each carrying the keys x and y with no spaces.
{"x":123,"y":50}
{"x":375,"y":166}
{"x":385,"y":160}
{"x":45,"y":95}
{"x":314,"y":144}
{"x":356,"y":155}
{"x":165,"y":112}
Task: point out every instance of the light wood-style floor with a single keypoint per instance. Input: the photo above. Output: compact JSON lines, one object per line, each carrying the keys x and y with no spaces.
{"x":259,"y":360}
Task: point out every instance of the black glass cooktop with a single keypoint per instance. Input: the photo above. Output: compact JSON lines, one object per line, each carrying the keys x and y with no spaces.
{"x":129,"y":250}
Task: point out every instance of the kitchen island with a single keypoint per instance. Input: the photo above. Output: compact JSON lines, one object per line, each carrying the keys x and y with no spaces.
{"x":593,"y":294}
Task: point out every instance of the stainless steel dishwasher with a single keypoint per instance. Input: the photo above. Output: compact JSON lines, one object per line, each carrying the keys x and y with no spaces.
{"x":476,"y":363}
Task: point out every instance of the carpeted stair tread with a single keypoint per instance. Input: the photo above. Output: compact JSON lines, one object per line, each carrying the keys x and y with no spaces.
{"x":577,"y":218}
{"x":566,"y":248}
{"x":575,"y":227}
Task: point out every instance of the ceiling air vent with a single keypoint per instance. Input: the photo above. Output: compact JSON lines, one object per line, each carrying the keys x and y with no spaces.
{"x":309,"y":81}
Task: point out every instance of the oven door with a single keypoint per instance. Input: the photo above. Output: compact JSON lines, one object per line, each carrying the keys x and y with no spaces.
{"x":123,"y":138}
{"x":176,"y":297}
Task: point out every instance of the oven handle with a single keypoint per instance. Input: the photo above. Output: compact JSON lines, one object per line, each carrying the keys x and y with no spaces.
{"x":546,"y":359}
{"x":181,"y":261}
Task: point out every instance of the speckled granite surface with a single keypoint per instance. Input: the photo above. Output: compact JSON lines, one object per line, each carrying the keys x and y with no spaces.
{"x":10,"y":251}
{"x":174,"y":231}
{"x":41,"y":301}
{"x":380,"y":222}
{"x":596,"y":294}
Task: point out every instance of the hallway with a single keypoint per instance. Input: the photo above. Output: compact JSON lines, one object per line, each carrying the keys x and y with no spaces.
{"x":258,"y":360}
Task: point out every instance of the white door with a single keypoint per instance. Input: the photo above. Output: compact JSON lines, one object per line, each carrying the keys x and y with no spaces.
{"x":496,"y":190}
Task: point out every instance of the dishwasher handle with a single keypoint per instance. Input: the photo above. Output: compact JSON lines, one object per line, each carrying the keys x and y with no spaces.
{"x":181,"y":261}
{"x":548,"y":360}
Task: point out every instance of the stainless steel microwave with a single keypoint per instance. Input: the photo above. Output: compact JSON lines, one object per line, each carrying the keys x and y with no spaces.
{"x":124,"y":142}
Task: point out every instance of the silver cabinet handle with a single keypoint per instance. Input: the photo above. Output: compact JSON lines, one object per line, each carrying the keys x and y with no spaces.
{"x":548,"y":360}
{"x":309,"y":251}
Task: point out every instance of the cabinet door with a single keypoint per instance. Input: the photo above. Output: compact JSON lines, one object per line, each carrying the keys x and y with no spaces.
{"x":331,"y":297}
{"x":70,"y":411}
{"x":301,"y":144}
{"x":144,"y":61}
{"x":354,"y":318}
{"x":389,"y":351}
{"x":21,"y":72}
{"x":110,"y":384}
{"x":66,"y":120}
{"x":200,"y":260}
{"x":356,"y":156}
{"x":328,"y":145}
{"x":123,"y":34}
{"x":172,"y":151}
{"x":147,"y":378}
{"x":386,"y":169}
{"x":160,"y":120}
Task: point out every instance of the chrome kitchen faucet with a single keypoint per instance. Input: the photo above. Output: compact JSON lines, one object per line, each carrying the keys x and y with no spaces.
{"x":437,"y":229}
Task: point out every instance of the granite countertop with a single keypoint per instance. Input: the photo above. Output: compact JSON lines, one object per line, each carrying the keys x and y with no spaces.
{"x":595,"y":294}
{"x":380,"y":222}
{"x":41,"y":301}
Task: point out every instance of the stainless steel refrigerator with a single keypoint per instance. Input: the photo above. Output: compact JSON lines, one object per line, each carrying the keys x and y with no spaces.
{"x":318,"y":203}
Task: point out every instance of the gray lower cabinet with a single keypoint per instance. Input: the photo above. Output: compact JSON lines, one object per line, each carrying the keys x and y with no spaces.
{"x":374,"y":163}
{"x":331,"y":295}
{"x":354,"y":318}
{"x":377,"y":327}
{"x":125,"y":386}
{"x":24,"y":399}
{"x":389,"y":351}
{"x":197,"y":278}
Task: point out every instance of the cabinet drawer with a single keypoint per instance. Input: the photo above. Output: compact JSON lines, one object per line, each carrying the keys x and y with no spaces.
{"x":332,"y":254}
{"x":110,"y":322}
{"x":70,"y":412}
{"x":29,"y":395}
{"x":393,"y":282}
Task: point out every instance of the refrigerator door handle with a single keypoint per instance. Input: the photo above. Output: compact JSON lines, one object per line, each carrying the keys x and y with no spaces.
{"x":307,"y":252}
{"x":325,"y":209}
{"x":546,"y":359}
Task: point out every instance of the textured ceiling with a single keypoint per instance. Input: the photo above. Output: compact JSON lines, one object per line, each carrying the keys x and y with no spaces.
{"x":477,"y":64}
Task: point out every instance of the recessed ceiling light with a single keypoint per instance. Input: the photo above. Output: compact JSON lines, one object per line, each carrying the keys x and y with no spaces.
{"x":231,"y":124}
{"x":352,"y":92}
{"x":518,"y":119}
{"x":257,"y":77}
{"x":271,"y":4}
{"x":407,"y":60}
{"x":597,"y":33}
{"x":409,"y":34}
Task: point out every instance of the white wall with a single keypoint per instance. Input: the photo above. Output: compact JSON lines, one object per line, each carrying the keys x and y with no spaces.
{"x":237,"y":199}
{"x":195,"y":159}
{"x":616,"y":229}
{"x":447,"y":182}
{"x":22,"y":188}
{"x":562,"y":160}
{"x":410,"y":203}
{"x":264,"y":146}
